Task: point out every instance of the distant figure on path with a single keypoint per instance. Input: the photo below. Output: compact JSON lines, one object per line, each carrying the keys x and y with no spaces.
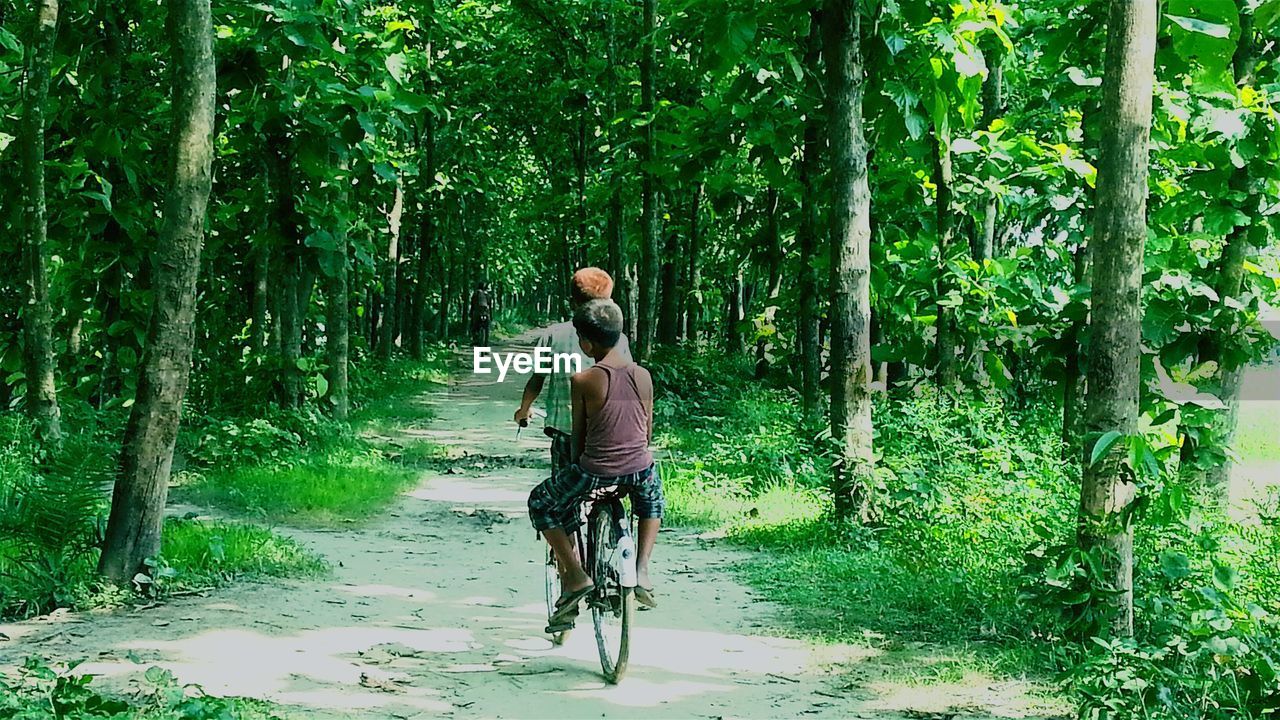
{"x":481,"y":316}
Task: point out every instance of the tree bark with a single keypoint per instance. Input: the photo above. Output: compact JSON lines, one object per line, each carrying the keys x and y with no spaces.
{"x":992,"y":109}
{"x":944,"y":179}
{"x":137,"y":508}
{"x":1114,"y":376}
{"x":427,"y":228}
{"x":693,"y":317}
{"x":669,"y":307}
{"x":773,"y":274}
{"x":1071,"y":375}
{"x":387,"y":339}
{"x":807,"y":346}
{"x":648,"y":191}
{"x":1229,"y":283}
{"x":37,"y":315}
{"x":850,"y":262}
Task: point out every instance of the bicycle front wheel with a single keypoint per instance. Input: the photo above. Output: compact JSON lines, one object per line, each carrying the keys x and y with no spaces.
{"x":612,"y":605}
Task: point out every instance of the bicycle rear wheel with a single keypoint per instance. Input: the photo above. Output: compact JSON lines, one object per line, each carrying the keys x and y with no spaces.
{"x":553,"y":593}
{"x":612,"y":605}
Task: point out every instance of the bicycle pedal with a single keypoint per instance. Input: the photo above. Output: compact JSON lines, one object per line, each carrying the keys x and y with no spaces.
{"x":563,"y":627}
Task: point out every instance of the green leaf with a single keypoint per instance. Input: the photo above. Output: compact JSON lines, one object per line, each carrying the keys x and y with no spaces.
{"x":1216,"y":30}
{"x":1174,"y":565}
{"x":1225,"y":577}
{"x":1103,"y":445}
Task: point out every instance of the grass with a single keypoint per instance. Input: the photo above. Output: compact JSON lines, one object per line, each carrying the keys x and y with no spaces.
{"x":216,"y":552}
{"x":315,"y":493}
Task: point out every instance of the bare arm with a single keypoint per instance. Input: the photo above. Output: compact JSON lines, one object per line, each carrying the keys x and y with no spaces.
{"x":579,"y":417}
{"x":532,"y":389}
{"x":645,"y":385}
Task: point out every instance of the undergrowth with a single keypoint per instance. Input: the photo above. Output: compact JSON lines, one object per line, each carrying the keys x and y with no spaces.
{"x":972,"y":545}
{"x":40,"y":692}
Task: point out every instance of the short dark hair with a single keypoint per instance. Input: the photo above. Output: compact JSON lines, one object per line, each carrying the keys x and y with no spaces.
{"x":599,"y":321}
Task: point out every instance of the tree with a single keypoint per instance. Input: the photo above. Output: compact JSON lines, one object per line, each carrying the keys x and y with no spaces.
{"x":649,"y":230}
{"x":1120,"y":233}
{"x":37,"y":315}
{"x":850,"y":261}
{"x":810,"y":354}
{"x":142,"y":487}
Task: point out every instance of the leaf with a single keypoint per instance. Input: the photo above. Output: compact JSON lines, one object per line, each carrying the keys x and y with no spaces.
{"x":1103,"y":445}
{"x":1174,"y":565}
{"x":395,"y":64}
{"x":1216,"y":30}
{"x":1225,"y":577}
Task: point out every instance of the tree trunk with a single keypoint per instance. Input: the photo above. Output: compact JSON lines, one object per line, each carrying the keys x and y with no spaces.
{"x":648,"y":191}
{"x":850,"y":263}
{"x":137,"y":507}
{"x":669,"y":312}
{"x":1230,"y":280}
{"x":1071,"y":375}
{"x":693,"y":317}
{"x":426,"y":240}
{"x":261,"y":269}
{"x":807,"y":346}
{"x":37,"y":315}
{"x":337,"y":334}
{"x":387,"y":339}
{"x":736,"y":313}
{"x":944,"y":179}
{"x":1120,"y":230}
{"x":773,"y":273}
{"x":993,"y":109}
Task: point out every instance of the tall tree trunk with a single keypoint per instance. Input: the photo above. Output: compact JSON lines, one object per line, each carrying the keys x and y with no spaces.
{"x":426,"y":236}
{"x":693,"y":318}
{"x":944,"y":179}
{"x":37,"y":315}
{"x":669,"y":307}
{"x":736,"y":312}
{"x":261,"y":260}
{"x":1114,"y":377}
{"x":142,"y":487}
{"x":387,"y":339}
{"x":992,"y":109}
{"x":337,"y":333}
{"x":850,"y":262}
{"x":1230,"y":280}
{"x":773,"y":274}
{"x":648,"y":190}
{"x":1072,"y":373}
{"x":807,"y":346}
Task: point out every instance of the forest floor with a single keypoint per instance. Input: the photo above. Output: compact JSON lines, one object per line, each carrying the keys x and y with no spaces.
{"x":436,"y":609}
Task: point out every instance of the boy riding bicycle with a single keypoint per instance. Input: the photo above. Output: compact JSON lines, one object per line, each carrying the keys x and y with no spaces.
{"x":612,"y":404}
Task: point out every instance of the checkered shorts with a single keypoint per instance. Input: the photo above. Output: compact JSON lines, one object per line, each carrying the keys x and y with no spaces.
{"x":557,"y":501}
{"x":561,"y":450}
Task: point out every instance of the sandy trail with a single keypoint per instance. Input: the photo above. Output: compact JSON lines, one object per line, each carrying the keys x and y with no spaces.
{"x":436,"y":609}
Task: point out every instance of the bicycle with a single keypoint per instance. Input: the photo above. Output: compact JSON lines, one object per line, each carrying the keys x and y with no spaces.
{"x":609,"y":557}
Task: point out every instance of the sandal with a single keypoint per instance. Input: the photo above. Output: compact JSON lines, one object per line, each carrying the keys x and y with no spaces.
{"x":567,"y":606}
{"x":644,"y":596}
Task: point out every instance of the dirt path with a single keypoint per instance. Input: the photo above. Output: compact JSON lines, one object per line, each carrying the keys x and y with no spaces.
{"x":436,"y":609}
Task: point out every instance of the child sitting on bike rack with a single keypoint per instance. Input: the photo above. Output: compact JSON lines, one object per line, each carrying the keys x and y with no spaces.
{"x":612,"y":427}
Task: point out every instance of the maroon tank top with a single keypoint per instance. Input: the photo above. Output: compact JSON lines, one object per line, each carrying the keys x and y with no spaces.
{"x":617,"y":441}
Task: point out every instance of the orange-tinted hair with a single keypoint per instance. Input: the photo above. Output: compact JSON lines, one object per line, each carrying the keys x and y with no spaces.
{"x":591,"y":283}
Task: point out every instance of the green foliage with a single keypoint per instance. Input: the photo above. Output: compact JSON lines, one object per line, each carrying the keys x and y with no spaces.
{"x":320,"y":492}
{"x":41,"y":692}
